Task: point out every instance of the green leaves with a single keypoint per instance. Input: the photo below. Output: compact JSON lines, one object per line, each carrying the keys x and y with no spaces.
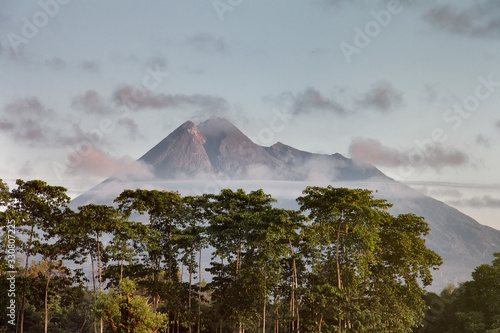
{"x":371,"y":258}
{"x":127,"y":312}
{"x":348,"y":265}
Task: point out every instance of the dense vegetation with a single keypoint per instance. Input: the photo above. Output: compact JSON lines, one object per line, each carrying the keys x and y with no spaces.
{"x":471,"y":307}
{"x":341,"y":263}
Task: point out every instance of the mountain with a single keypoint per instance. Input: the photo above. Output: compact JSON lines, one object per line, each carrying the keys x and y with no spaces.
{"x":202,"y":158}
{"x":217,"y":147}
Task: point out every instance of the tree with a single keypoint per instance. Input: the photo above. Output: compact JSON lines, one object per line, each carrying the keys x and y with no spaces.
{"x":92,"y":222}
{"x":191,"y":239}
{"x":367,"y":262}
{"x":165,"y":212}
{"x":128,"y":240}
{"x":126,"y":312}
{"x":440,"y":316}
{"x":46,"y":270}
{"x":344,"y":237}
{"x":37,"y":207}
{"x":234,"y":217}
{"x":472,"y":306}
{"x":478,"y":304}
{"x":402,"y":266}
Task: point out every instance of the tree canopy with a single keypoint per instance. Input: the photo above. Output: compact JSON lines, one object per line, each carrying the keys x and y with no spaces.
{"x":341,"y":262}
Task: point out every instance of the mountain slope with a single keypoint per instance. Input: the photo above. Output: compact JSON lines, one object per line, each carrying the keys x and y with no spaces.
{"x":217,"y":147}
{"x":230,"y":151}
{"x":181,"y":152}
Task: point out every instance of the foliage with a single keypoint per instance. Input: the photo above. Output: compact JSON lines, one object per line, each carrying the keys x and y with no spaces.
{"x":340,"y":263}
{"x":473,"y":306}
{"x":126,"y":312}
{"x":366,"y":263}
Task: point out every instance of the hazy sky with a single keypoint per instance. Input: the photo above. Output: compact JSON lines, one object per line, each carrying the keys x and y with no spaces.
{"x":410,"y":86}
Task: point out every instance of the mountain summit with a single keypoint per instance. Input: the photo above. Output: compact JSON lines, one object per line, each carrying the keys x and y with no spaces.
{"x":218,"y":147}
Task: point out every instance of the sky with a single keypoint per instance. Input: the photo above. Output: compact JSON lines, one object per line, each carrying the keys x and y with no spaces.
{"x":412,"y":87}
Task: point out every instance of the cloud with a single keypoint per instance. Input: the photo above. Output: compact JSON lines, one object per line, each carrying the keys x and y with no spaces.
{"x":485,"y":201}
{"x":157,"y":62}
{"x":91,"y":102}
{"x":96,"y":163}
{"x":135,"y":171}
{"x":308,"y":101}
{"x":431,"y":93}
{"x":27,"y":169}
{"x":92,"y":66}
{"x":446,"y":192}
{"x":139,"y":98}
{"x":436,"y":157}
{"x":372,"y":151}
{"x":30,"y":122}
{"x":382,"y":97}
{"x":56,"y":64}
{"x":24,"y":119}
{"x":497,"y":124}
{"x":364,"y":4}
{"x":474,"y":186}
{"x":481,"y":19}
{"x":336,"y":4}
{"x":131,"y":127}
{"x":207,"y":43}
{"x":483,"y":140}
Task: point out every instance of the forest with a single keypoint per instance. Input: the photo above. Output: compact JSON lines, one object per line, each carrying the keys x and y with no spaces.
{"x":341,"y":263}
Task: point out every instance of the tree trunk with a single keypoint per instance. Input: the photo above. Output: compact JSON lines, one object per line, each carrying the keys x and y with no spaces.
{"x":121,"y":270}
{"x":99,"y":263}
{"x":238,"y":262}
{"x":298,"y":318}
{"x":24,"y":281}
{"x":100,"y":271}
{"x":170,"y":252}
{"x":93,"y":282}
{"x":276,"y":312}
{"x":93,"y":270}
{"x":265,"y":303}
{"x":199,"y":293}
{"x":337,"y":254}
{"x":190,"y":287}
{"x":337,"y":260}
{"x":222,"y":267}
{"x":294,"y":284}
{"x":47,"y":299}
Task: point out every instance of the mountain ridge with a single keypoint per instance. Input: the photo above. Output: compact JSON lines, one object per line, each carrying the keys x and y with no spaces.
{"x":216,"y":146}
